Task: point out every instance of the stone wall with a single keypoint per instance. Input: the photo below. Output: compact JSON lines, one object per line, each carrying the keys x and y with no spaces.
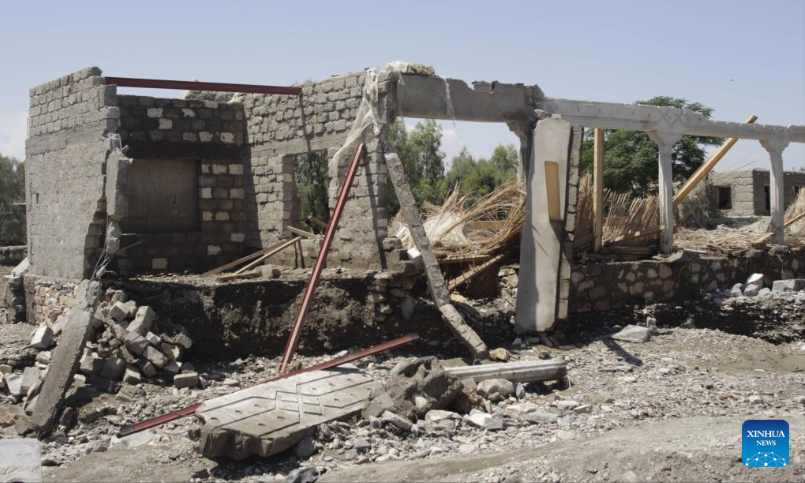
{"x":280,"y":127}
{"x":748,"y":190}
{"x":66,"y":153}
{"x":47,"y":298}
{"x":605,"y":286}
{"x":210,"y":134}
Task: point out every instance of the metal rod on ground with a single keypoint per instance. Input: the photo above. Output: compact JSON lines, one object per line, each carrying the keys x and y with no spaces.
{"x":392,"y":344}
{"x":293,"y":341}
{"x":200,"y":86}
{"x":700,"y":173}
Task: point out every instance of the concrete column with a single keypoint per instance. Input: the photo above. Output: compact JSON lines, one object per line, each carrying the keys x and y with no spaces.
{"x":665,"y":186}
{"x":775,"y":147}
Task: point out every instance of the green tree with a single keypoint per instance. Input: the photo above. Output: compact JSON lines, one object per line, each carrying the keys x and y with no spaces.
{"x":312,"y":179}
{"x":479,"y":177}
{"x":423,"y":160}
{"x":12,"y":199}
{"x":630,"y":157}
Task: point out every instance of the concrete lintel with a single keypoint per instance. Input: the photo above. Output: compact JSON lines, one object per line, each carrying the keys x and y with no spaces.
{"x":656,"y":118}
{"x":452,"y":99}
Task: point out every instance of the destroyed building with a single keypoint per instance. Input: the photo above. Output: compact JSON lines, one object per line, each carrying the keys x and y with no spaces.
{"x":139,"y":206}
{"x":747,"y":192}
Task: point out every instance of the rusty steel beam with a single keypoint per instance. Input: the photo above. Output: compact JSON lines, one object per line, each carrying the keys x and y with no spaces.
{"x":293,"y":341}
{"x":201,"y":86}
{"x":392,"y":344}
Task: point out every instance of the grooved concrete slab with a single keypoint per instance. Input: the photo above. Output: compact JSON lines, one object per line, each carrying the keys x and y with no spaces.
{"x":272,"y":417}
{"x":20,"y":460}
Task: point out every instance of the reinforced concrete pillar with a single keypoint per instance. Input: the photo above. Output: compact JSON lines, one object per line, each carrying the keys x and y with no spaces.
{"x":665,"y":142}
{"x":775,"y":146}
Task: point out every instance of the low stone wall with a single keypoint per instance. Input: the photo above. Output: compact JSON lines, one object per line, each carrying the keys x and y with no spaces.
{"x":47,"y":298}
{"x":12,"y":256}
{"x":605,"y":286}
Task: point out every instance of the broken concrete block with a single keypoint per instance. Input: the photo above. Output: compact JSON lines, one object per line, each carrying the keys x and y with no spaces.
{"x":790,"y":285}
{"x":182,"y":340}
{"x":495,"y":389}
{"x":171,"y":351}
{"x":484,"y":420}
{"x":42,"y":338}
{"x":153,"y":339}
{"x":172,"y":368}
{"x":5,"y":369}
{"x":14,"y":384}
{"x":436,"y":415}
{"x":121,"y":311}
{"x":118,"y":329}
{"x":189,"y":379}
{"x":633,"y":333}
{"x":377,"y":406}
{"x":753,"y":284}
{"x":143,"y":320}
{"x":156,"y":357}
{"x":304,"y":401}
{"x":737,"y":290}
{"x":132,"y":376}
{"x":30,"y":375}
{"x":113,"y":368}
{"x":135,"y":343}
{"x":396,"y":420}
{"x":66,"y":356}
{"x":499,"y":354}
{"x":147,"y":368}
{"x":528,"y":371}
{"x":43,"y":357}
{"x":91,"y":364}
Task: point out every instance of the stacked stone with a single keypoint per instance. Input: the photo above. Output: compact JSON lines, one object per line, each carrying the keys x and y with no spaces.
{"x":508,"y":279}
{"x":392,"y":288}
{"x":127,"y":348}
{"x":69,"y":119}
{"x":207,"y":130}
{"x":13,"y":295}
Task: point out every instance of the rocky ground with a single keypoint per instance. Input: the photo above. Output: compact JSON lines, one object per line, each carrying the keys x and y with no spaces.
{"x":666,"y":409}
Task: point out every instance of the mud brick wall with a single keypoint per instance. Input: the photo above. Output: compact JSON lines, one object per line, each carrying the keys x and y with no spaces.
{"x":210,"y":134}
{"x":280,"y":127}
{"x":605,"y":286}
{"x":65,"y":160}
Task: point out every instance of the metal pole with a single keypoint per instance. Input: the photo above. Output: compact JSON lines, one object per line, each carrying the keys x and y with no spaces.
{"x":201,"y":86}
{"x":293,"y":341}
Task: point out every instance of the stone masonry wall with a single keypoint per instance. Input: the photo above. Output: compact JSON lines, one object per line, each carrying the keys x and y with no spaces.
{"x":605,"y":286}
{"x":66,"y":155}
{"x":281,"y":126}
{"x":203,"y":130}
{"x":749,"y":190}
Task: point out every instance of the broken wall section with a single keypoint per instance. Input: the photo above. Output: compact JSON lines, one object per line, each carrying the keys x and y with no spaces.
{"x":65,"y":165}
{"x":280,"y":127}
{"x":185,"y":189}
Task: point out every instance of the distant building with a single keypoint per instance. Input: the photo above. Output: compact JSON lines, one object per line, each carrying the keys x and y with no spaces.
{"x":745,"y":192}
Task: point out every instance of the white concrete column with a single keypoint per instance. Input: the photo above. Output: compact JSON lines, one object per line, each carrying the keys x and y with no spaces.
{"x":775,"y":146}
{"x":665,"y":142}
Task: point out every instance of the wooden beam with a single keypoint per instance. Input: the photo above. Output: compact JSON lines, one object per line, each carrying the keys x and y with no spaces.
{"x":276,"y":249}
{"x":467,"y":259}
{"x":472,"y":273}
{"x":598,"y":189}
{"x":486,"y":225}
{"x":788,"y":223}
{"x":238,"y":276}
{"x":708,"y":166}
{"x":234,"y":264}
{"x":638,"y":235}
{"x":302,"y":233}
{"x":552,"y":190}
{"x":316,"y":221}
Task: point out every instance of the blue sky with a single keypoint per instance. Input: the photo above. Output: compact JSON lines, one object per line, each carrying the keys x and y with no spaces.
{"x":739,"y":57}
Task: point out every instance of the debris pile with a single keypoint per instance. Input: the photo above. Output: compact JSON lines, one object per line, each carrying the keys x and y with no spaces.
{"x":128,"y":346}
{"x":13,"y":297}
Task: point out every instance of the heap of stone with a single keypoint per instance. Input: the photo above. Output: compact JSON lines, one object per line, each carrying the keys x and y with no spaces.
{"x":127,"y":346}
{"x":754,"y":287}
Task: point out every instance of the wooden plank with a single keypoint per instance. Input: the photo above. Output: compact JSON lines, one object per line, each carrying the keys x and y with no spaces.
{"x":469,"y":259}
{"x":316,"y":221}
{"x":239,"y":276}
{"x":638,"y":235}
{"x":472,"y":273}
{"x":598,"y":189}
{"x":276,"y":249}
{"x":302,"y":233}
{"x":234,"y":264}
{"x":552,"y":190}
{"x":487,"y":225}
{"x":708,"y":166}
{"x":788,"y":223}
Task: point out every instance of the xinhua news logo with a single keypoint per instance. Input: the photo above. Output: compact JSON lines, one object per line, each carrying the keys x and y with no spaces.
{"x":764,"y":443}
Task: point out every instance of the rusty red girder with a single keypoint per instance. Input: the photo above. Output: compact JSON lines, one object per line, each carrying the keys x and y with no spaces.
{"x":201,"y":86}
{"x":150,"y":423}
{"x":293,"y":341}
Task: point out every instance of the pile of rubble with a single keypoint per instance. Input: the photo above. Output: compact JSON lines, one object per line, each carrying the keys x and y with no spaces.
{"x":129,"y":346}
{"x":13,"y":296}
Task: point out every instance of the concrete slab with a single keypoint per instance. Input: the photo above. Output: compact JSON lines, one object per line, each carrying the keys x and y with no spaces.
{"x":20,"y":460}
{"x":273,"y":417}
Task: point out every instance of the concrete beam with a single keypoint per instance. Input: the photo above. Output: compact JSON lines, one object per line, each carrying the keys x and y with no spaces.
{"x":655,"y":118}
{"x":529,"y":371}
{"x":451,"y":99}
